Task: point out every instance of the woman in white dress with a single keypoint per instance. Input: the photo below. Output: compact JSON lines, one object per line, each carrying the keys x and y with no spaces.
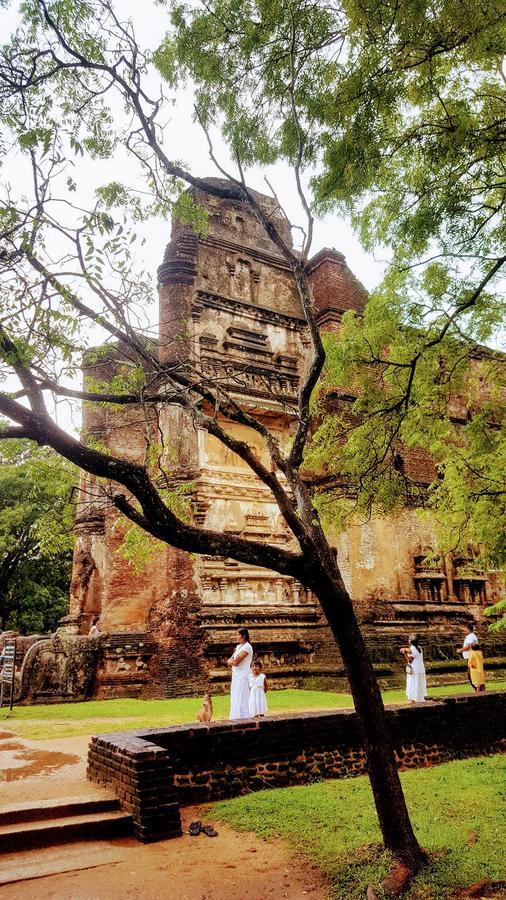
{"x":240,"y":663}
{"x":258,"y":688}
{"x":416,"y":685}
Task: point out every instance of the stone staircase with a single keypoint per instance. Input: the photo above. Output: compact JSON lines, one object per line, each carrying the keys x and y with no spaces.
{"x":43,"y":823}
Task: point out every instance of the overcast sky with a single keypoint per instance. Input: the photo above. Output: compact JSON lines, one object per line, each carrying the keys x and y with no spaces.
{"x":183,"y":140}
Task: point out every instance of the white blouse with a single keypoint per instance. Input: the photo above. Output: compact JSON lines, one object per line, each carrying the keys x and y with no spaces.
{"x":417,"y":662}
{"x":242,"y":669}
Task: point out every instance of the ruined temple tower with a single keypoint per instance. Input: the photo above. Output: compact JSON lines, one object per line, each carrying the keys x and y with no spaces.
{"x":228,"y":299}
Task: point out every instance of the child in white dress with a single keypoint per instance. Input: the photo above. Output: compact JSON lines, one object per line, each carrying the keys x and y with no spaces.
{"x":258,"y":687}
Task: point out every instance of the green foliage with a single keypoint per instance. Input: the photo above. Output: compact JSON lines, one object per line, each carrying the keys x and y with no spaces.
{"x":450,"y":412}
{"x":186,"y":211}
{"x":138,"y":547}
{"x":40,"y":595}
{"x":127,"y":379}
{"x":403,"y":100}
{"x":82,"y":231}
{"x":179,"y":499}
{"x":36,"y":518}
{"x":396,"y":112}
{"x":497,"y":609}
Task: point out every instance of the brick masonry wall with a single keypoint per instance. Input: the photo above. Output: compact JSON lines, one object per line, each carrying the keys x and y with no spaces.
{"x":152,"y":771}
{"x":140,"y":774}
{"x":335,"y":287}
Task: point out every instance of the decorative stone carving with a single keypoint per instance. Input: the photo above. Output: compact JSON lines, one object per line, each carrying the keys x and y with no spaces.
{"x":241,"y":281}
{"x":429,"y":576}
{"x":60,"y":668}
{"x":228,"y":299}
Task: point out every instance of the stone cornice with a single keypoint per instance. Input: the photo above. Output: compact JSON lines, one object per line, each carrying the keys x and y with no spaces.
{"x":177,"y":271}
{"x":205,"y":299}
{"x":271,"y":259}
{"x":329,"y":315}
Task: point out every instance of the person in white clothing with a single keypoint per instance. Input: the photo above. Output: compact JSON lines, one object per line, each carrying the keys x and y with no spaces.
{"x":240,"y":663}
{"x":94,"y":629}
{"x":258,"y":687}
{"x":416,"y":684}
{"x":469,"y":642}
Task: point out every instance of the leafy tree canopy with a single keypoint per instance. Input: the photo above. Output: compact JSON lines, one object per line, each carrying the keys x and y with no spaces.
{"x":396,"y":111}
{"x":392,"y":113}
{"x":36,"y":518}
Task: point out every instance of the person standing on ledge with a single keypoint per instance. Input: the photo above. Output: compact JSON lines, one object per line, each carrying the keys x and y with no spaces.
{"x":470,"y":641}
{"x":240,"y":663}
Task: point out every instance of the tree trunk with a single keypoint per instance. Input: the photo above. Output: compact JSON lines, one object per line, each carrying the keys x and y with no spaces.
{"x":395,"y":824}
{"x":5,"y":607}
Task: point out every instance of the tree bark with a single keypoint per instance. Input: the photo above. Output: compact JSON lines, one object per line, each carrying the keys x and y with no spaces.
{"x":315,"y":567}
{"x":395,"y":824}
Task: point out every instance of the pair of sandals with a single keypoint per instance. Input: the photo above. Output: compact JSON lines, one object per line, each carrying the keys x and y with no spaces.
{"x":198,"y":828}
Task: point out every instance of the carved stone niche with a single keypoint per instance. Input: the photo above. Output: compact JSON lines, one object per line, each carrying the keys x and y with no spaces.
{"x":208,"y":342}
{"x":429,"y":576}
{"x":245,"y":340}
{"x":469,"y":580}
{"x":243,"y":279}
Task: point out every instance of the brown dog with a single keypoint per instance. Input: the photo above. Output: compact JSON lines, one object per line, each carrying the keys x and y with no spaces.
{"x":206,"y":713}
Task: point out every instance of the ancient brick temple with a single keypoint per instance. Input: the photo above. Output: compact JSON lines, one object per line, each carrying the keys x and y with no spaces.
{"x":228,"y":298}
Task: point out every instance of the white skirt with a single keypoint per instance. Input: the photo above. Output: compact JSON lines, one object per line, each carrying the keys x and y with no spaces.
{"x":239,"y":698}
{"x":416,"y":687}
{"x":257,"y":702}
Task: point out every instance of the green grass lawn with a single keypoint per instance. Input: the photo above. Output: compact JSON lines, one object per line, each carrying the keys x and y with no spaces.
{"x":99,"y":716}
{"x":457,"y":810}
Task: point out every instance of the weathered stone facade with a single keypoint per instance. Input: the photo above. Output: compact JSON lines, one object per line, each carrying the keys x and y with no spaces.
{"x":229,"y":300}
{"x":54,"y":669}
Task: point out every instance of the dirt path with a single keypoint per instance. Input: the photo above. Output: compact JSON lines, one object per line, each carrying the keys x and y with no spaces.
{"x":42,"y":770}
{"x":187,"y":868}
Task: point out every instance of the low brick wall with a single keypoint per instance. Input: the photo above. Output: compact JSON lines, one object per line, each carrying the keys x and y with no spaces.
{"x":154,"y":770}
{"x":140,"y":774}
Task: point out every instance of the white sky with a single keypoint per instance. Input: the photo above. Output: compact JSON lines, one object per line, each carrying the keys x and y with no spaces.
{"x":184,"y":140}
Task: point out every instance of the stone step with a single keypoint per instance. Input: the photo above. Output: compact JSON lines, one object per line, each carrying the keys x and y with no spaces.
{"x":26,"y":865}
{"x":60,"y":808}
{"x":45,"y":833}
{"x":429,"y":609}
